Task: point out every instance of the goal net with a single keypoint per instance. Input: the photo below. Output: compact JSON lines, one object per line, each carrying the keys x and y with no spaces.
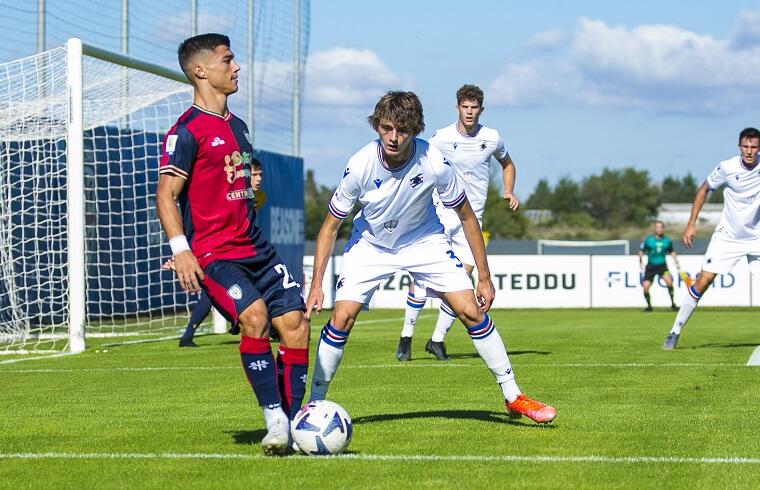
{"x":79,"y":240}
{"x":583,"y":247}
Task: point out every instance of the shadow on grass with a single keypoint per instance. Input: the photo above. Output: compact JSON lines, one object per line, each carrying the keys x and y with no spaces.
{"x":478,"y":415}
{"x":474,"y":355}
{"x":725,"y":345}
{"x":248,"y":437}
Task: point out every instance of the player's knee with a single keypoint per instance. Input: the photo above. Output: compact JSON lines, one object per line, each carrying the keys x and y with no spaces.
{"x":342,"y":319}
{"x":470,"y":314}
{"x":253,"y":322}
{"x":293,"y":328}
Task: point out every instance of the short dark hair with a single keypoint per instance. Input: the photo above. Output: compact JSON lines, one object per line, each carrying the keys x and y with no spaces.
{"x":194,"y":45}
{"x":470,"y":92}
{"x":749,"y":133}
{"x":403,"y":109}
{"x":255,"y":163}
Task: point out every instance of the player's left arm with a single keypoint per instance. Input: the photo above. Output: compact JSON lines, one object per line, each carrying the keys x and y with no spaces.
{"x":508,"y":174}
{"x":485,"y":290}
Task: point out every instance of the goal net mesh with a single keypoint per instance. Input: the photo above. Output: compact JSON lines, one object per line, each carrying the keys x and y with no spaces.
{"x":126,"y":111}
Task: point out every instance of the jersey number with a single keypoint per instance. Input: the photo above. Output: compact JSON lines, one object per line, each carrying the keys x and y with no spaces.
{"x":287,"y":279}
{"x":452,"y":256}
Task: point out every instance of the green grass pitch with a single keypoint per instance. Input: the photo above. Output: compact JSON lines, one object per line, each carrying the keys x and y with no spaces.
{"x":630,"y":415}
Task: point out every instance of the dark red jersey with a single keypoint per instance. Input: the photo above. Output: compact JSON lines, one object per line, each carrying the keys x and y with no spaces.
{"x":213,"y":154}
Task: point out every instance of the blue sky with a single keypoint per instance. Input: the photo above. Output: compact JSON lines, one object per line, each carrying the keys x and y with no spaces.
{"x":572,"y":86}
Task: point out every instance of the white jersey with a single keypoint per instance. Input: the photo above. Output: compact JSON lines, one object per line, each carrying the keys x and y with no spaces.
{"x":471,"y":158}
{"x":741,"y":196}
{"x":396,"y":205}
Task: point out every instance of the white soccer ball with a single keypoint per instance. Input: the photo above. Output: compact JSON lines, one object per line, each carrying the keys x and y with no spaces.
{"x":321,"y":427}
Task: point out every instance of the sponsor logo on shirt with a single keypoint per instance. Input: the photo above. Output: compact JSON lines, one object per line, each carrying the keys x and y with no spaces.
{"x":482,"y":146}
{"x":248,"y":137}
{"x":377,"y":183}
{"x":171,"y":143}
{"x":217,"y":141}
{"x":346,"y":172}
{"x":240,"y":194}
{"x":235,"y":165}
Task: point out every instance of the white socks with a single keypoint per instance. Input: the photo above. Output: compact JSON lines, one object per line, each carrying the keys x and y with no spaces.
{"x":690,"y":301}
{"x":329,"y":355}
{"x":489,"y":345}
{"x":413,"y":307}
{"x":446,"y":318}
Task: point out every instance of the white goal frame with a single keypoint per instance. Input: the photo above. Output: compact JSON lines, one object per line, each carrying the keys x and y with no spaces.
{"x":75,"y":50}
{"x":582,"y":244}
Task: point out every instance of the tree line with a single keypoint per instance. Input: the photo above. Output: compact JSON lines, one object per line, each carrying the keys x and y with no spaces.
{"x":613,"y":199}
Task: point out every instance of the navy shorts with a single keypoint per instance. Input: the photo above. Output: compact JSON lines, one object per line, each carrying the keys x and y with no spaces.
{"x":233,"y":285}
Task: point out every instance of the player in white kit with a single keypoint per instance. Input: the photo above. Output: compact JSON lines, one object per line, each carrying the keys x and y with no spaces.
{"x":468,"y":146}
{"x":738,"y":233}
{"x":393,"y":179}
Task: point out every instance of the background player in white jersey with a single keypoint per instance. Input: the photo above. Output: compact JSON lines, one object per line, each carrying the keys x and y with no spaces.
{"x":393,"y":178}
{"x":468,"y":146}
{"x":738,"y":233}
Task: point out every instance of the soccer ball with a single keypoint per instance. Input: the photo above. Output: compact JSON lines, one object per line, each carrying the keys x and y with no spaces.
{"x":321,"y":427}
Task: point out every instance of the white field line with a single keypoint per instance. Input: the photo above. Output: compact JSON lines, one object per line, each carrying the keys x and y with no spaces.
{"x":35,"y":358}
{"x":398,"y":457}
{"x":754,"y":359}
{"x":365,"y":366}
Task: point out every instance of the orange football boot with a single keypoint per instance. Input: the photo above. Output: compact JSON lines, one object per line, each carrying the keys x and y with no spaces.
{"x":533,"y":409}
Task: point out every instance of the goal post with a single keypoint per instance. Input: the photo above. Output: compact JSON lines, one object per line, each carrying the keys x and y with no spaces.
{"x":584,"y":247}
{"x":80,"y":245}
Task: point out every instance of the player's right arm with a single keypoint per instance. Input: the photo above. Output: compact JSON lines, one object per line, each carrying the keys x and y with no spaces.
{"x":323,"y":249}
{"x":691,"y":227}
{"x":340,"y":206}
{"x":189,"y":272}
{"x":177,"y":158}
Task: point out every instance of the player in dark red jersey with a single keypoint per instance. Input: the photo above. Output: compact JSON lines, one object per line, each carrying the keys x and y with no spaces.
{"x":216,"y":243}
{"x":202,"y":308}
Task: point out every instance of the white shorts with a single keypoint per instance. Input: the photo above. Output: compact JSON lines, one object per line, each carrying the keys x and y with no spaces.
{"x":452,"y":227}
{"x":431,"y":263}
{"x":723,"y":254}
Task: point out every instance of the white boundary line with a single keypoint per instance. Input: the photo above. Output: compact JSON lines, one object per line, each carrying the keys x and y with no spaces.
{"x":400,"y":457}
{"x":360,"y":366}
{"x":22,"y":359}
{"x":754,"y":359}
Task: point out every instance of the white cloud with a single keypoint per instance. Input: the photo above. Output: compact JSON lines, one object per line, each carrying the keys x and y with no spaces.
{"x":657,"y":67}
{"x":348,"y":77}
{"x":746,"y":32}
{"x":548,"y":40}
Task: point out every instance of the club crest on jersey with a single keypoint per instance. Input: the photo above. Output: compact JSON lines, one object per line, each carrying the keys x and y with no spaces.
{"x":235,"y":292}
{"x":416,"y":181}
{"x":377,"y":183}
{"x":171,"y":143}
{"x":390,"y":225}
{"x":218,"y":141}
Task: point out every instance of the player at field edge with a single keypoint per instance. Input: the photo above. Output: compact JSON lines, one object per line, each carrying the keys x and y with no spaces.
{"x":656,"y":247}
{"x":202,"y":307}
{"x":468,"y":146}
{"x":738,"y":232}
{"x":216,"y":243}
{"x":393,"y":178}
